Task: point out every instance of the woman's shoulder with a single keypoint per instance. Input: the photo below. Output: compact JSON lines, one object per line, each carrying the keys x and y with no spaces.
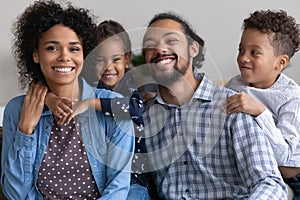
{"x":15,"y":101}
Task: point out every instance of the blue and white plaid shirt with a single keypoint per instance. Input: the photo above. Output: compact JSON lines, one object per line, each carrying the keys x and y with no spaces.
{"x":197,"y":151}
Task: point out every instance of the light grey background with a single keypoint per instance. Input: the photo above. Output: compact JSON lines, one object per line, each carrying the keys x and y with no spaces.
{"x":217,"y":22}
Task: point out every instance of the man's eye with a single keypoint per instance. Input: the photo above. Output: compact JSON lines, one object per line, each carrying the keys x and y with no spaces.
{"x":172,"y":41}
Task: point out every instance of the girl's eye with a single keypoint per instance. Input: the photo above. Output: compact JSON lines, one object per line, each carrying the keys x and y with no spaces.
{"x":240,"y":50}
{"x":100,"y":60}
{"x":116,"y":59}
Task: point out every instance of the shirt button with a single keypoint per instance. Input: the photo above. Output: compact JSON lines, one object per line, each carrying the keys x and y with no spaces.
{"x":292,"y":137}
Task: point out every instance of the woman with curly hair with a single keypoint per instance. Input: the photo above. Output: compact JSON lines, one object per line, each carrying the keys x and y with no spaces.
{"x":88,"y":158}
{"x":269,"y":40}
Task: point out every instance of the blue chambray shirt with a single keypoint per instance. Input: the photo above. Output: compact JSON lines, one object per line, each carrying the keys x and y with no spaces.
{"x":197,"y":151}
{"x":109,"y":145}
{"x":281,"y":120}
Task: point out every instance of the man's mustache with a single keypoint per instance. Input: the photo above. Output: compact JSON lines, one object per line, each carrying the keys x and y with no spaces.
{"x":158,"y":56}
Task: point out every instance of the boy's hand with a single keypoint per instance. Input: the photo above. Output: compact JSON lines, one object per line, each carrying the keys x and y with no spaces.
{"x":242,"y":102}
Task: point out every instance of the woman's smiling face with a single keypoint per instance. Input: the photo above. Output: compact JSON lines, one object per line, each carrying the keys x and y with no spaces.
{"x":60,"y":55}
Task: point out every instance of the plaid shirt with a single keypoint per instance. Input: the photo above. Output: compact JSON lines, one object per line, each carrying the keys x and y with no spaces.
{"x":197,"y":151}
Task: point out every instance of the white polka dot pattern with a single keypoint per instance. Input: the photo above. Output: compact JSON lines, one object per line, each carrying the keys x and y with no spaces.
{"x":65,"y":172}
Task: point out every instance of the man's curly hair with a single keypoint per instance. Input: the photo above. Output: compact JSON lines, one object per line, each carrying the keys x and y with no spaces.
{"x":283,"y":29}
{"x":40,"y":17}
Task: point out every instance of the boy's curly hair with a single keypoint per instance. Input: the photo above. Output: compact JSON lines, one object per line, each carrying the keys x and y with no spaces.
{"x":38,"y":18}
{"x":282,"y":28}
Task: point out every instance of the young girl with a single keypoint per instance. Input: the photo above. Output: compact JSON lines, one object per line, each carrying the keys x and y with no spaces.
{"x":268,"y":42}
{"x":90,"y":157}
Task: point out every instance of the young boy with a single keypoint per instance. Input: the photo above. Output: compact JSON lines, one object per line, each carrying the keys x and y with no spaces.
{"x":269,"y":40}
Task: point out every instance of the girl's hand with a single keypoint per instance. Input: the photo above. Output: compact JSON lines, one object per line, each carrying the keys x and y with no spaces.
{"x":243,"y":102}
{"x":61,"y":107}
{"x":32,"y":107}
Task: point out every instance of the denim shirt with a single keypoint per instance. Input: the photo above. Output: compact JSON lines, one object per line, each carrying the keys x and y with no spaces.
{"x":109,"y":146}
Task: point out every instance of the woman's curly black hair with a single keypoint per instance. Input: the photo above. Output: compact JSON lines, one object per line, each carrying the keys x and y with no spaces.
{"x":38,"y":18}
{"x":283,"y":29}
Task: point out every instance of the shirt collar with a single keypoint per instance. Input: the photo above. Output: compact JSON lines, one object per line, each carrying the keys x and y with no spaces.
{"x":204,"y":92}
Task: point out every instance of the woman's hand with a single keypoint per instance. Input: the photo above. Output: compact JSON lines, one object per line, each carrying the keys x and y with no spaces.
{"x":32,"y":107}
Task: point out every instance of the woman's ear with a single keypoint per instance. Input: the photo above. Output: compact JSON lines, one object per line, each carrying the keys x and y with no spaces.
{"x":35,"y":57}
{"x":194,"y":49}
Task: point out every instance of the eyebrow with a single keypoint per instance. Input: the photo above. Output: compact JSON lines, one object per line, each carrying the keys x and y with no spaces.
{"x":252,"y":46}
{"x":164,"y":35}
{"x":56,"y":42}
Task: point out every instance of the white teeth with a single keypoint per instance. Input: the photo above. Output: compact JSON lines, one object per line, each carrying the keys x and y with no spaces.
{"x":65,"y":69}
{"x":165,"y":61}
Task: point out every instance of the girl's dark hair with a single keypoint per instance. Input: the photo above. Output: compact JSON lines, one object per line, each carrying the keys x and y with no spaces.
{"x":109,"y":28}
{"x":283,"y":29}
{"x":38,"y":18}
{"x":188,"y":31}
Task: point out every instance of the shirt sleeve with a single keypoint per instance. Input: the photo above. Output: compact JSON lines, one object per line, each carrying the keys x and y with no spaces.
{"x":255,"y":160}
{"x":17,"y":158}
{"x":283,"y":136}
{"x":125,"y":107}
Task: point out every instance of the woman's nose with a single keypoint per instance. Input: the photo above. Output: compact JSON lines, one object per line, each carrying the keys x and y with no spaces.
{"x":64,"y":56}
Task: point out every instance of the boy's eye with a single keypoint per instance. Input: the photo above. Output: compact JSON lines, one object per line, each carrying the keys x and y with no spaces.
{"x":254,"y":53}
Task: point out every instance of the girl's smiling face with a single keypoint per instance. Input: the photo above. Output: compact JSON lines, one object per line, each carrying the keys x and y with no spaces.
{"x":112,"y":61}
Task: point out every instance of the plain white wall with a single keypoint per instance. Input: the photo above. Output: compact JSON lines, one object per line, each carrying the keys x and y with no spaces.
{"x":217,"y":22}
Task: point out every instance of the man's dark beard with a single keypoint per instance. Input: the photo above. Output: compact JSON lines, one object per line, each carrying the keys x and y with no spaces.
{"x":176,"y":75}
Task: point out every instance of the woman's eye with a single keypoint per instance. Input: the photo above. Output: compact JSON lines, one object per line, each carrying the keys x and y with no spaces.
{"x":75,"y":49}
{"x":52,"y":48}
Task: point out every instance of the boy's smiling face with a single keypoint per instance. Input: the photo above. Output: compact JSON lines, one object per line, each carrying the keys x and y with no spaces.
{"x":257,"y":61}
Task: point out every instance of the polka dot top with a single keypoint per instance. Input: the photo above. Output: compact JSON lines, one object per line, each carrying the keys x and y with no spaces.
{"x":65,"y":172}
